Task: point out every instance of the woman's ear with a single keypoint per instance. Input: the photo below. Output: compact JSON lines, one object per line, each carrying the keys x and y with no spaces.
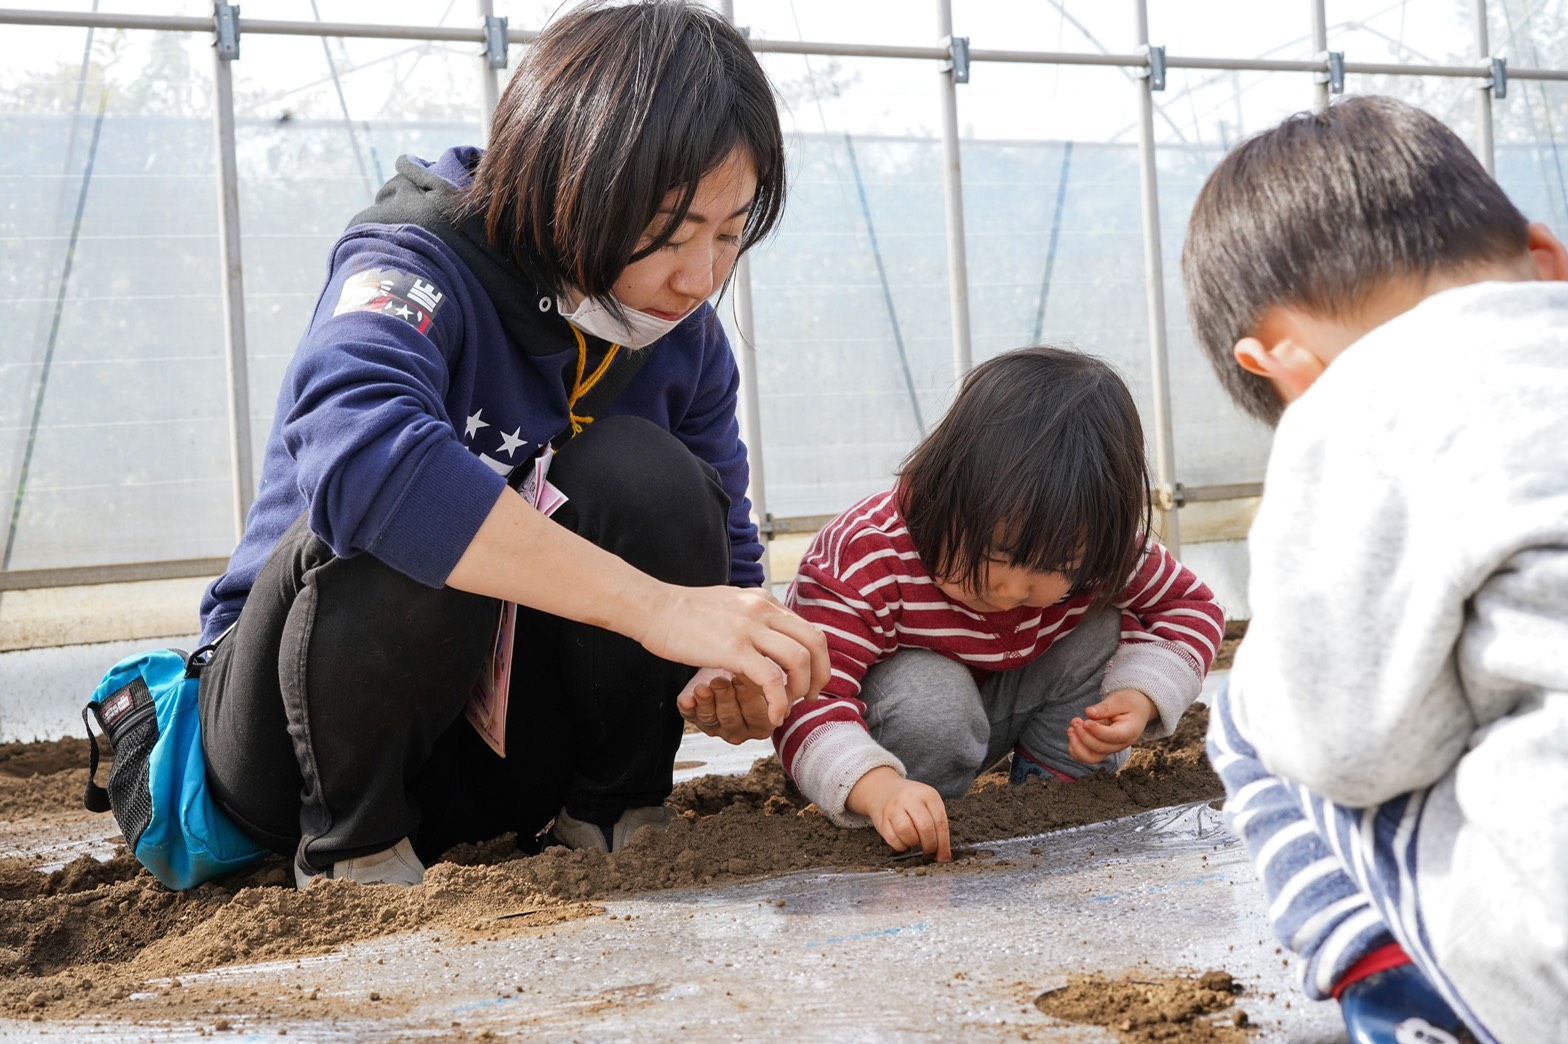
{"x":1546,"y":250}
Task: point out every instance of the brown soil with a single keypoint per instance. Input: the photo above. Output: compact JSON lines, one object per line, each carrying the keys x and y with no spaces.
{"x":1145,"y":1007}
{"x":74,"y":941}
{"x":1235,"y":631}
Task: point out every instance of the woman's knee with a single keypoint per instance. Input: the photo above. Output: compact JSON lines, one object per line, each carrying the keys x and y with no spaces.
{"x":363,"y":600}
{"x":639,"y":492}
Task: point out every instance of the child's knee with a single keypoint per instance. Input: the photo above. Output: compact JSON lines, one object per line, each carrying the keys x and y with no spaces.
{"x":925,"y":684}
{"x":926,"y":709}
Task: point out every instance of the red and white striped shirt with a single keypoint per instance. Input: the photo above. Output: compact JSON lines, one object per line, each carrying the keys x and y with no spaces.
{"x":864,"y":585}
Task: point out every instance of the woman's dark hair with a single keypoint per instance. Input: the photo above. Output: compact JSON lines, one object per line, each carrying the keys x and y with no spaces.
{"x":613,"y":106}
{"x":1319,"y":213}
{"x":1040,"y":459}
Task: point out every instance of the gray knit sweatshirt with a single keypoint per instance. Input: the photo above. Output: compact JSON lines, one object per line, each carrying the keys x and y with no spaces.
{"x":1410,"y":630}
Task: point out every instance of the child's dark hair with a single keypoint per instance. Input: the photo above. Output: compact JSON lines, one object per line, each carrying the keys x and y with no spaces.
{"x":1040,"y":460}
{"x":613,"y":106}
{"x":1320,"y":212}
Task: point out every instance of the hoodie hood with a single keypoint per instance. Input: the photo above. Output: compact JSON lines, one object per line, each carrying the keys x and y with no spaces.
{"x":428,"y":195}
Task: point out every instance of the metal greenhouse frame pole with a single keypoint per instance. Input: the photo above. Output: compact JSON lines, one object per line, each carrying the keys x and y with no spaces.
{"x":492,"y":60}
{"x":225,"y":51}
{"x":953,"y":72}
{"x":1495,"y":86}
{"x":1320,"y":52}
{"x":750,"y":393}
{"x":1166,"y":489}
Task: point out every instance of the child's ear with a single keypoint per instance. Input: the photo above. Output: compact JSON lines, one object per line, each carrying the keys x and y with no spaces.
{"x":1277,"y":354}
{"x":1546,"y":250}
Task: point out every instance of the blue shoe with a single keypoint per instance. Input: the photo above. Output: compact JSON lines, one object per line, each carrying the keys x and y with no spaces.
{"x":1027,"y":767}
{"x":1399,"y":1006}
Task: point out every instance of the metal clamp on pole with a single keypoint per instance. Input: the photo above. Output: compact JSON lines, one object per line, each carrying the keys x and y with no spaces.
{"x":1333,"y":73}
{"x":958,"y":57}
{"x":1497,"y":81}
{"x":226,"y":23}
{"x":1155,"y":73}
{"x":495,"y":41}
{"x":1169,"y":498}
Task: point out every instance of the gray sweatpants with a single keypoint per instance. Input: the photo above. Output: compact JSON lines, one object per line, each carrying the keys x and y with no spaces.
{"x":928,"y":710}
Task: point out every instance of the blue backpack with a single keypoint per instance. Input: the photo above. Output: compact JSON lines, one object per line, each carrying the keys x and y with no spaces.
{"x":146,"y":707}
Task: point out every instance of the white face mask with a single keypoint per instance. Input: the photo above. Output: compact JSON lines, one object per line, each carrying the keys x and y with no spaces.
{"x":636,"y":330}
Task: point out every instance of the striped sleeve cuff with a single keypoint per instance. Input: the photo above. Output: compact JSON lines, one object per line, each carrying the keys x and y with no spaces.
{"x":1162,"y":671}
{"x":831,"y":761}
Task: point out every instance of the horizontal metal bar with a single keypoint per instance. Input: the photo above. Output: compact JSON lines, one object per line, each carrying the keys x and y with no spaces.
{"x":1557,"y":75}
{"x":175,"y":23}
{"x":105,"y":20}
{"x":1188,"y":495}
{"x":1394,"y":69}
{"x":131,"y":572}
{"x":845,"y":50}
{"x":773,"y":527}
{"x":443,"y":34}
{"x":1249,"y":64}
{"x":476,"y":34}
{"x":989,"y":54}
{"x":1221,"y":491}
{"x":122,"y":573}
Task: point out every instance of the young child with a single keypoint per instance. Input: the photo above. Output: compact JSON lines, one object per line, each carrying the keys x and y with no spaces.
{"x":1002,"y":597}
{"x":1394,"y":739}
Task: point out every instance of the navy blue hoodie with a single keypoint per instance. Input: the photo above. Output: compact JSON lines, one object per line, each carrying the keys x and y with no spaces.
{"x":431,"y":367}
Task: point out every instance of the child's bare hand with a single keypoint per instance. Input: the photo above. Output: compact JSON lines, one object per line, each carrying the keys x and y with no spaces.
{"x":729,"y":707}
{"x":1111,"y":725}
{"x":906,"y":813}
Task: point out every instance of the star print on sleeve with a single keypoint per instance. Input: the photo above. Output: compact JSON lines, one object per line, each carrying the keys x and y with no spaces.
{"x":391,"y":292}
{"x":474,"y":423}
{"x":510,"y":443}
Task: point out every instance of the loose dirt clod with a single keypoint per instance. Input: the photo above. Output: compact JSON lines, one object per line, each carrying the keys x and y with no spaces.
{"x":1146,"y":1007}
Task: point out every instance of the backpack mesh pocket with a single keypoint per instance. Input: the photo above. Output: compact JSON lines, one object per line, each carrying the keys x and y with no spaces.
{"x":130,"y":721}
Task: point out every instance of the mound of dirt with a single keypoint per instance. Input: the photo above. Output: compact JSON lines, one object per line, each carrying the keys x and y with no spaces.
{"x":75,"y":940}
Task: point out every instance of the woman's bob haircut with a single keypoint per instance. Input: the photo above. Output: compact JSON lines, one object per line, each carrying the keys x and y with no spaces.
{"x":1039,"y":462}
{"x":614,"y":106}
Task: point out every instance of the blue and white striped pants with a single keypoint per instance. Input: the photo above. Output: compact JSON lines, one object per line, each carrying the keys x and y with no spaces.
{"x":1341,"y":881}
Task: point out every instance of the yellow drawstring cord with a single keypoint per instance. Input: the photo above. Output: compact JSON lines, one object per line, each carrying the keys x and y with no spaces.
{"x":581,"y":387}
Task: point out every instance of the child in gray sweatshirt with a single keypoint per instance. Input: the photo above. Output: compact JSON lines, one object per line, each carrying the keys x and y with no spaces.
{"x":1394,"y":736}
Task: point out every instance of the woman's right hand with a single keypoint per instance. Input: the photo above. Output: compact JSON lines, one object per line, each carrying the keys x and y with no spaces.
{"x":745,"y":631}
{"x":522,"y":556}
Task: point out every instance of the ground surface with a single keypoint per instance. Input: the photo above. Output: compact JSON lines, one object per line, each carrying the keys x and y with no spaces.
{"x":78,"y":940}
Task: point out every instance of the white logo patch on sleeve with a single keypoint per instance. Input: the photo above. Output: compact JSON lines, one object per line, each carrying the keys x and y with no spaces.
{"x":390,"y":292}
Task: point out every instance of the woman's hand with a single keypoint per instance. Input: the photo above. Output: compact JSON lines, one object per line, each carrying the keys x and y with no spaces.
{"x":1113,"y":724}
{"x":747,"y":633}
{"x":520,"y":555}
{"x":906,"y":813}
{"x":730,"y":708}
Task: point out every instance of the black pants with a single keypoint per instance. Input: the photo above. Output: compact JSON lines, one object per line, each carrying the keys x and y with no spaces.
{"x":332,"y":714}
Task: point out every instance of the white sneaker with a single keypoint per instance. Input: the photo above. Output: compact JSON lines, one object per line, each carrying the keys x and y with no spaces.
{"x":397,"y":865}
{"x":574,"y":833}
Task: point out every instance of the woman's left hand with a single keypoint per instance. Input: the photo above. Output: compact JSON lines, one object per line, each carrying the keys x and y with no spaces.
{"x":730,"y":708}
